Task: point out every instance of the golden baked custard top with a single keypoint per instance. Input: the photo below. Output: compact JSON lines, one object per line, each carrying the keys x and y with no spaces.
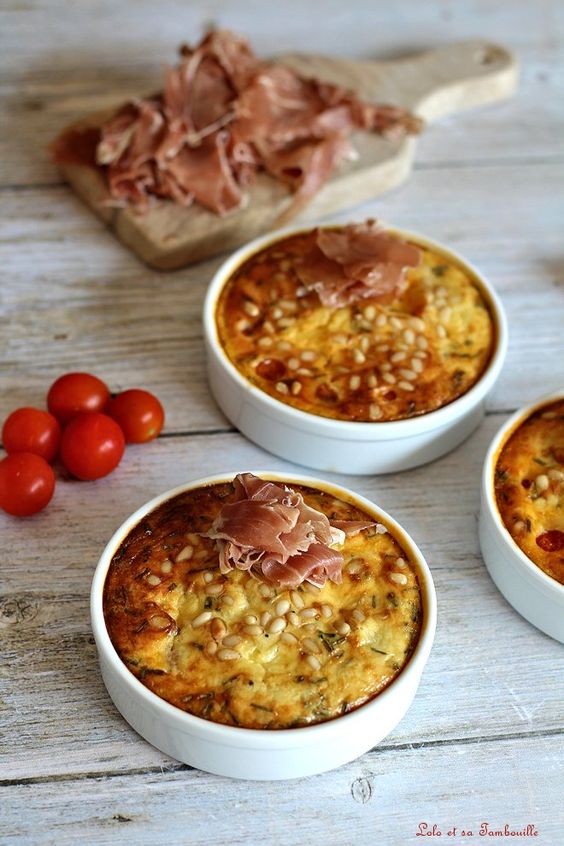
{"x":529,"y":488}
{"x":236,"y":650}
{"x":366,"y":361}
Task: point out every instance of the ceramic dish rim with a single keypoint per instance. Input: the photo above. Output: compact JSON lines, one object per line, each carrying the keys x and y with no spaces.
{"x":352,"y":429}
{"x":488,"y":486}
{"x":240,"y":736}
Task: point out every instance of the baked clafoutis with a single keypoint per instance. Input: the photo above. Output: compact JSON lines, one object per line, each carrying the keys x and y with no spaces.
{"x":261,"y":604}
{"x":529,"y":488}
{"x":357,"y":324}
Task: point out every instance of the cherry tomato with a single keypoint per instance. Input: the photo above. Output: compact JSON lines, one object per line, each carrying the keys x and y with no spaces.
{"x":139,"y":413}
{"x":75,"y":392}
{"x":92,"y":445}
{"x":32,"y":430}
{"x":27,"y":483}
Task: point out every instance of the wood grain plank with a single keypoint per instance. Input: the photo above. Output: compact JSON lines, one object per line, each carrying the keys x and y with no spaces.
{"x":482,"y":739}
{"x":72,"y":298}
{"x":434,"y":84}
{"x":378,"y":799}
{"x":56,"y":709}
{"x":53,"y":75}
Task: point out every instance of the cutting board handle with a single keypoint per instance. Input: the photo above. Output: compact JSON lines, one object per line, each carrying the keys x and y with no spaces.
{"x":457,"y":76}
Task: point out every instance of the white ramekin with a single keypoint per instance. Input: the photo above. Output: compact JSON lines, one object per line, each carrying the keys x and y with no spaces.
{"x":535,"y":595}
{"x":340,"y":446}
{"x":249,"y":753}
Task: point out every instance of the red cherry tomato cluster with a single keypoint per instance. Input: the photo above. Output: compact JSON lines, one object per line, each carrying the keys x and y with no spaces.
{"x":85,"y":425}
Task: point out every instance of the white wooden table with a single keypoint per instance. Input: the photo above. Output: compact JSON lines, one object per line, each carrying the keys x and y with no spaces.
{"x":484,"y":739}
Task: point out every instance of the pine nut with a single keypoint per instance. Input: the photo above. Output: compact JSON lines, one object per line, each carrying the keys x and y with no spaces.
{"x":201,"y":619}
{"x":308,"y":613}
{"x":231,"y":640}
{"x":218,"y":629}
{"x":185,"y":553}
{"x":159,"y":622}
{"x":541,"y":483}
{"x":282,"y":607}
{"x":374,"y":411}
{"x":288,"y":305}
{"x":398,"y":578}
{"x":228,"y":655}
{"x":310,"y":645}
{"x":355,"y":565}
{"x":153,"y":580}
{"x":296,"y":599}
{"x":313,"y":662}
{"x":251,"y":309}
{"x":253,"y":631}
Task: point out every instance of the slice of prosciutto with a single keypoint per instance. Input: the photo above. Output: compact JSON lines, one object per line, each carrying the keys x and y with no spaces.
{"x":270,"y":528}
{"x":356,"y":262}
{"x":223,"y":116}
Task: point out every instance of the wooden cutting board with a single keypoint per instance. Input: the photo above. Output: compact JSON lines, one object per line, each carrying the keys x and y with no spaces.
{"x":432,"y":84}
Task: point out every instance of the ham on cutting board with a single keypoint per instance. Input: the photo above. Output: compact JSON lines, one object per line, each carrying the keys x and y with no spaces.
{"x":168,"y":236}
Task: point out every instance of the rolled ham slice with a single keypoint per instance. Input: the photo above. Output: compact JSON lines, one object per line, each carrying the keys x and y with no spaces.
{"x":271,"y":529}
{"x":223,"y":116}
{"x":356,"y":262}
